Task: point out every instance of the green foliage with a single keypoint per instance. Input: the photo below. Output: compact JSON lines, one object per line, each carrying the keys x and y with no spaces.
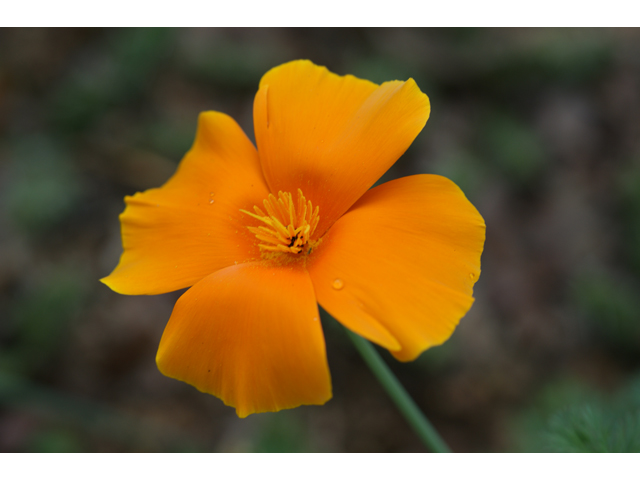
{"x":570,"y":417}
{"x":592,"y":428}
{"x":55,"y":440}
{"x":629,"y":186}
{"x":66,"y":419}
{"x":234,"y":65}
{"x":561,"y":57}
{"x":464,"y":169}
{"x":567,"y":58}
{"x":611,"y":305}
{"x":382,"y":69}
{"x":45,"y":187}
{"x":120,"y":72}
{"x":280,"y":433}
{"x":171,"y":138}
{"x":629,"y":203}
{"x":40,"y":319}
{"x":137,"y":53}
{"x":513,"y":148}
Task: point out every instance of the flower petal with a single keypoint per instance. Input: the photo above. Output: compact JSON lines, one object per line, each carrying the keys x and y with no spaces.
{"x":192,"y":226}
{"x":332,"y":136}
{"x":250,"y":335}
{"x":403,"y":260}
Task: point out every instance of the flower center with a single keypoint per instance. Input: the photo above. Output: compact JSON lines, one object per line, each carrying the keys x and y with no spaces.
{"x":288,"y":225}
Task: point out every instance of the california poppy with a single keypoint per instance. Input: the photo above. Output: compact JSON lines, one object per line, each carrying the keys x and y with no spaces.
{"x":263,"y":235}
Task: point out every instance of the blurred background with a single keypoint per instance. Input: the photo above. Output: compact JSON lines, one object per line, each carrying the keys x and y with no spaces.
{"x":541,"y":130}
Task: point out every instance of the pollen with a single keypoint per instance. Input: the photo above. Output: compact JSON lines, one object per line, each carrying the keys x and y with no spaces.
{"x":288,"y":224}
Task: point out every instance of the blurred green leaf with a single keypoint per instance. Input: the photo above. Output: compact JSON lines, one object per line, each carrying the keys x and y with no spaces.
{"x":513,"y":147}
{"x":137,"y":53}
{"x":611,"y":305}
{"x":55,"y":440}
{"x":568,"y":416}
{"x":120,"y":71}
{"x":45,"y":187}
{"x":628,"y":193}
{"x":66,"y":413}
{"x":568,"y":57}
{"x":41,"y":317}
{"x":380,"y":69}
{"x":172,"y":139}
{"x":554,"y":56}
{"x":592,"y":428}
{"x":234,"y":65}
{"x":281,"y":432}
{"x":464,"y":169}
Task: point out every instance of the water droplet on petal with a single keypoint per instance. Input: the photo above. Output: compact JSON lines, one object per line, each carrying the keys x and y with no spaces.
{"x":472,"y":276}
{"x":337,"y":284}
{"x":211,"y":201}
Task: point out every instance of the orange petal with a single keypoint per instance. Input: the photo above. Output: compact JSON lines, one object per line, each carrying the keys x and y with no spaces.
{"x":401,"y":264}
{"x":250,"y":335}
{"x":192,"y":226}
{"x":332,"y":136}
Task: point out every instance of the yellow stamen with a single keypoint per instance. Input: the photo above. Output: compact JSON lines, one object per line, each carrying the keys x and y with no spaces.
{"x":288,"y":229}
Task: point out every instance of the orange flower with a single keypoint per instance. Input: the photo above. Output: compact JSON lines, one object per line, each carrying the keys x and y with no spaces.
{"x":262,"y":236}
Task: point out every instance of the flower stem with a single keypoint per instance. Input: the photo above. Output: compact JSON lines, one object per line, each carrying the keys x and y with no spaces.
{"x":399,"y":395}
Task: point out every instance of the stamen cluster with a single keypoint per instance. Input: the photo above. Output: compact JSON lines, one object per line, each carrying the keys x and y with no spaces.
{"x":289,"y":225}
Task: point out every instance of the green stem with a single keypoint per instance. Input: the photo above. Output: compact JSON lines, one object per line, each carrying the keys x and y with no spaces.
{"x":399,"y":395}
